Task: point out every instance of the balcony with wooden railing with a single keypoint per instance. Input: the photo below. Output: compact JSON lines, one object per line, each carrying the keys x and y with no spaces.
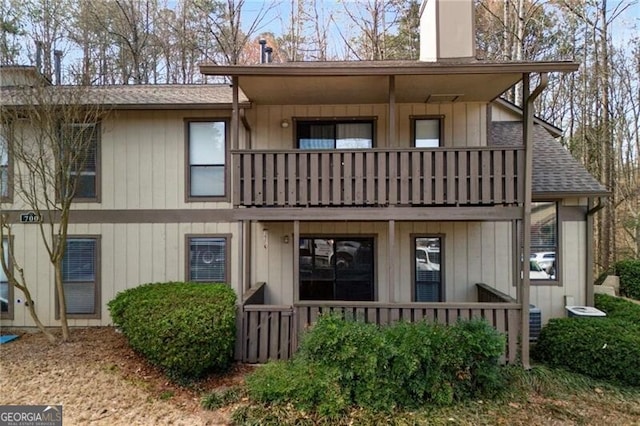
{"x":483,"y":176}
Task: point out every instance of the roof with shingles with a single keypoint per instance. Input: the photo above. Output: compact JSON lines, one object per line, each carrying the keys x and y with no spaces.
{"x":555,"y":171}
{"x":144,"y":96}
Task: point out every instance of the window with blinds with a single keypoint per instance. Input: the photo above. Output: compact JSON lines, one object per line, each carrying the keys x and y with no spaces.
{"x":427,"y":132}
{"x":353,"y":134}
{"x":208,"y":259}
{"x":79,"y":275}
{"x":4,"y":163}
{"x":83,"y":167}
{"x":207,"y":158}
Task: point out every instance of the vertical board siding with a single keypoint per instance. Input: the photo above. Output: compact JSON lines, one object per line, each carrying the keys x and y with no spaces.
{"x":130,"y":255}
{"x":451,"y":176}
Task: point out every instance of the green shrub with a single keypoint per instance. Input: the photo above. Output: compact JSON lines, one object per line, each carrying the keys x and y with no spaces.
{"x":343,"y":363}
{"x":606,"y":348}
{"x":187,"y":329}
{"x":629,"y":273}
{"x":308,"y":386}
{"x":616,"y":307}
{"x":360,"y":353}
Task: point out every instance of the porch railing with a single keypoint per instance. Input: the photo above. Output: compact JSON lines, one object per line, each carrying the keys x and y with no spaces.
{"x":378,"y":177}
{"x":489,"y":294}
{"x":270,"y":331}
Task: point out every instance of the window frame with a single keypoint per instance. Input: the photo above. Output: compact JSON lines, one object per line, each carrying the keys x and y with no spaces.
{"x":557,"y":281}
{"x":297,"y":121}
{"x":97,"y":314}
{"x":443,"y":286}
{"x":98,"y":173}
{"x":7,"y":134}
{"x":324,"y":236}
{"x":414,"y":118}
{"x":227,"y":158}
{"x":9,"y":315}
{"x":227,"y":255}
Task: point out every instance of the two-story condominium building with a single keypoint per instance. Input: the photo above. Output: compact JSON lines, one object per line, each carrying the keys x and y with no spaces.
{"x":390,"y":190}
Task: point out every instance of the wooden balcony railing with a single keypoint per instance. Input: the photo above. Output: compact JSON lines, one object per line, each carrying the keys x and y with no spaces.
{"x":379,"y":177}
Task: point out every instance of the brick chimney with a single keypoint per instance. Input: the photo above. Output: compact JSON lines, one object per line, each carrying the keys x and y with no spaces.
{"x":447,"y":30}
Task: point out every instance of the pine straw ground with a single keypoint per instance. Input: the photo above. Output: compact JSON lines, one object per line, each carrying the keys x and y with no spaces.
{"x":99,"y":380}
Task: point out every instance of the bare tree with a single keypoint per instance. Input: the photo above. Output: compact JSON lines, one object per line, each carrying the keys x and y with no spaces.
{"x":50,"y":137}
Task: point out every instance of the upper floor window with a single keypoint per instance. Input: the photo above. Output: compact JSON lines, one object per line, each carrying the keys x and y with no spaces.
{"x":4,"y":165}
{"x":427,"y":132}
{"x":80,"y":146}
{"x":207,"y":148}
{"x":208,"y":259}
{"x":334,"y":134}
{"x":80,"y":276}
{"x":544,"y":241}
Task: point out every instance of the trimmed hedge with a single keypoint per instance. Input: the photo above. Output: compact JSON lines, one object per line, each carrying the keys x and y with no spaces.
{"x":343,"y":363}
{"x":616,"y":307}
{"x":187,"y":329}
{"x":629,"y":273}
{"x":605,"y":348}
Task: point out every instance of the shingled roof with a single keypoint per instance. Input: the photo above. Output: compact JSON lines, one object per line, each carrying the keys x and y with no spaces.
{"x":555,"y":171}
{"x":176,"y":96}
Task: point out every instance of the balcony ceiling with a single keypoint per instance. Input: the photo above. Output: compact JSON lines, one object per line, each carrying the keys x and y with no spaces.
{"x":368,"y":82}
{"x":372,"y":89}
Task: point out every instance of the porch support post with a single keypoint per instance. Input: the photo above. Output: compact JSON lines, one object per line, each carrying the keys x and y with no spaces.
{"x":234,"y":185}
{"x":246,"y":254}
{"x":296,"y":283}
{"x":391,"y":256}
{"x":589,"y":255}
{"x":391,"y":125}
{"x":235,"y":114}
{"x":527,"y":137}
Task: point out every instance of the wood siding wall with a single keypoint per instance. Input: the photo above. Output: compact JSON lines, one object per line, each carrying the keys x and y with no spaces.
{"x":131,"y":254}
{"x":474,"y":252}
{"x":464,"y":124}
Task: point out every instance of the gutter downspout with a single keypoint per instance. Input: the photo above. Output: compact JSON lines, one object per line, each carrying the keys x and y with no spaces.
{"x":527,"y":129}
{"x":592,"y":210}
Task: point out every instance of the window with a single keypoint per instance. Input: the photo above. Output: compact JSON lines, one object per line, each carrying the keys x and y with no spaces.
{"x":207,"y":145}
{"x":336,"y":268}
{"x":80,"y":272}
{"x":208,"y":259}
{"x":427,"y":132}
{"x":352,"y":134}
{"x":428,"y":269}
{"x":544,"y":241}
{"x":5,"y":187}
{"x":6,"y":291}
{"x":84,"y":168}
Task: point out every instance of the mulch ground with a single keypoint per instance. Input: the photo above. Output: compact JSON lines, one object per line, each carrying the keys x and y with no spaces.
{"x":99,"y":380}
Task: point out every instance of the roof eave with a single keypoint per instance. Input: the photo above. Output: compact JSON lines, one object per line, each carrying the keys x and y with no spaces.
{"x":569,"y":194}
{"x":354,"y":69}
{"x":209,"y":106}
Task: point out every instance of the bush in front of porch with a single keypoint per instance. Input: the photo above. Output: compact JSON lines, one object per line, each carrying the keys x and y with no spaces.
{"x":605,"y":348}
{"x":186,"y":329}
{"x":344,"y":363}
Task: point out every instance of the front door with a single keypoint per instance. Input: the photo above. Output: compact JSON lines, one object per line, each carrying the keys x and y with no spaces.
{"x":339,"y":268}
